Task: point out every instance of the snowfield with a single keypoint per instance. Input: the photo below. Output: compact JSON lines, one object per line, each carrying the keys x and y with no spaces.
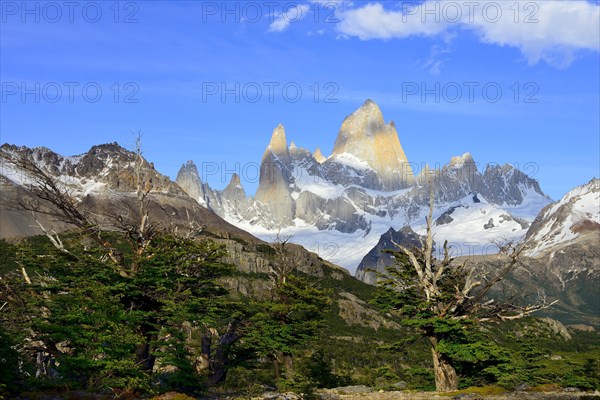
{"x":466,"y":234}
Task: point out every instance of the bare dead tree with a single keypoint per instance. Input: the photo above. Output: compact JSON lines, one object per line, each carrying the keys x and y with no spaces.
{"x":193,"y":228}
{"x":283,"y":263}
{"x":467,"y":299}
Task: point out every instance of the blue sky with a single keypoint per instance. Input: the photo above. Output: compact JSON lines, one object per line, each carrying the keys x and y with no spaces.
{"x":433,"y":67}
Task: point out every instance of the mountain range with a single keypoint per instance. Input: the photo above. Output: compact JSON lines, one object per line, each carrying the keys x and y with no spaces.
{"x":340,"y":205}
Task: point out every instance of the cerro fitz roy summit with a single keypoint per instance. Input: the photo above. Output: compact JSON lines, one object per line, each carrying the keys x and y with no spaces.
{"x":340,"y":205}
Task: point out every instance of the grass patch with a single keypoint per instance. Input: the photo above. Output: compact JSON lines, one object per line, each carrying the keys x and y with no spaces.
{"x":482,"y":390}
{"x":548,"y":387}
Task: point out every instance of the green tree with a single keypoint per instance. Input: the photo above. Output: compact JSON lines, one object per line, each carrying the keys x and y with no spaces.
{"x":99,"y":329}
{"x":282,"y":324}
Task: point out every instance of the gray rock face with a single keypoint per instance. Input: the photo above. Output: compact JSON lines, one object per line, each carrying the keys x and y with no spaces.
{"x":355,"y":311}
{"x":339,"y":172}
{"x":489,"y":224}
{"x":378,"y":259}
{"x":461,"y":177}
{"x":445,"y":218}
{"x":354,"y":389}
{"x":234,"y":193}
{"x":506,"y":184}
{"x":189,"y":180}
{"x":457,"y":179}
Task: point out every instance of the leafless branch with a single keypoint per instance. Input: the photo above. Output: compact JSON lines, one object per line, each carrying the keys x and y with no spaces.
{"x":51,"y":235}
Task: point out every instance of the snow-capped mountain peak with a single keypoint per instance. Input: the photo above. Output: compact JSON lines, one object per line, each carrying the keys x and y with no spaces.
{"x":365,"y":135}
{"x":576,"y":213}
{"x":460,"y":161}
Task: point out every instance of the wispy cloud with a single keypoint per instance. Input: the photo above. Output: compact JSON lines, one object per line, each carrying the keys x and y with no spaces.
{"x":291,"y":15}
{"x":433,"y":66}
{"x":437,"y":57}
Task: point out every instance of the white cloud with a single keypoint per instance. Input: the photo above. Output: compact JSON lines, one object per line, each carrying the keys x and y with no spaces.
{"x":372,"y":21}
{"x":290,"y":15}
{"x":556,"y":30}
{"x":543,"y":30}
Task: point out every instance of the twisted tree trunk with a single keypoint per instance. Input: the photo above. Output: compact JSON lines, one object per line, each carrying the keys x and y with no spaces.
{"x":220,"y":363}
{"x":276,"y":367}
{"x":446,"y":379}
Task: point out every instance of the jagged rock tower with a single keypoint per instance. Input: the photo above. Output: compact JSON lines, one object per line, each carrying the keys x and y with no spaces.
{"x":365,"y":135}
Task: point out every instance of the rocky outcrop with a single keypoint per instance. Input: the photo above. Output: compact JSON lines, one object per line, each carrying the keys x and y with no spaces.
{"x":189,"y":180}
{"x":354,"y":311}
{"x":378,"y":259}
{"x":459,"y":178}
{"x":502,"y":185}
{"x":318,"y":156}
{"x":234,"y":193}
{"x":507,"y":185}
